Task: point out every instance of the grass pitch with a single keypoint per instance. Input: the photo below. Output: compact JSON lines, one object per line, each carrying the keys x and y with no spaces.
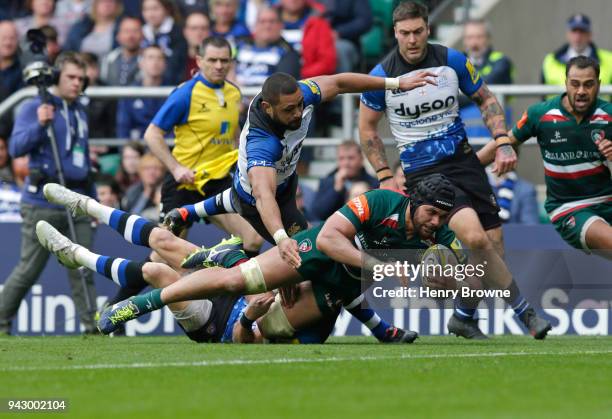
{"x":152,"y":377}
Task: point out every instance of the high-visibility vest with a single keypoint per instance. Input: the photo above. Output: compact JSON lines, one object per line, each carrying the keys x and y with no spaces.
{"x":554,"y":70}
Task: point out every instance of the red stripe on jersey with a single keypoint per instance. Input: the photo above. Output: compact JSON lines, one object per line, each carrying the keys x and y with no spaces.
{"x":553,"y":118}
{"x":576,"y":208}
{"x":575,"y":175}
{"x":601,"y":117}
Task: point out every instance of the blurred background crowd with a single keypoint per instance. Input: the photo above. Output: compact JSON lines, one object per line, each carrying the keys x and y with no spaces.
{"x":153,"y":43}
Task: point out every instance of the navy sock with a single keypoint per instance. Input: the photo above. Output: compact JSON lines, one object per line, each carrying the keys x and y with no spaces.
{"x":125,"y":273}
{"x":133,"y":228}
{"x":516,"y":300}
{"x":215,"y":205}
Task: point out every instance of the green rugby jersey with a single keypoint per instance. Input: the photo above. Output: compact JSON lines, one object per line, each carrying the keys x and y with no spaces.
{"x":379,"y":216}
{"x":577,"y":174}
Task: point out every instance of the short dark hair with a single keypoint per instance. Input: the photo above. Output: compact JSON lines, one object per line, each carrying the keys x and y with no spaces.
{"x":70,"y":57}
{"x":582,"y":63}
{"x":278,"y":84}
{"x":215,"y":41}
{"x":108,"y":180}
{"x":410,"y":10}
{"x":90,"y":59}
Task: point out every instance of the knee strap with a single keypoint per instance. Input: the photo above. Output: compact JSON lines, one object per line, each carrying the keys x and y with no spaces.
{"x":253,"y":277}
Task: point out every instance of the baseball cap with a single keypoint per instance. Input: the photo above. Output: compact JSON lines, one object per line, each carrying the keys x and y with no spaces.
{"x":579,"y":21}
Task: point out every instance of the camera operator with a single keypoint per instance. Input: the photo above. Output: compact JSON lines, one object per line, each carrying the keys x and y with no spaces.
{"x":67,"y":118}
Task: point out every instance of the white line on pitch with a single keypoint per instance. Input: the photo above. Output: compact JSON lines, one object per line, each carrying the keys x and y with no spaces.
{"x":222,"y":362}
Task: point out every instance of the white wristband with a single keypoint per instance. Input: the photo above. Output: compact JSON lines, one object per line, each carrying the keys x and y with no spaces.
{"x":280,"y":235}
{"x":391,"y":83}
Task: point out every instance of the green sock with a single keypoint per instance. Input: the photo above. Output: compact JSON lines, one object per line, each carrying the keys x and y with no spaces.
{"x":232,"y":258}
{"x":149,"y":301}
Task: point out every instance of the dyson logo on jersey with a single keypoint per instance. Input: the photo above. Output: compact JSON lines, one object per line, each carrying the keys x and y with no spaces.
{"x":418,"y":110}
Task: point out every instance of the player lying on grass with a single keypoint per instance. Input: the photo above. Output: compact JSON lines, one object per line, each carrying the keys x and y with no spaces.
{"x":573,"y":132}
{"x":379,"y":219}
{"x":310,"y":318}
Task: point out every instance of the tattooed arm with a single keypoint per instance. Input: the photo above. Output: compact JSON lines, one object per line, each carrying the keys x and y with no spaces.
{"x":373,"y":146}
{"x":493,"y":117}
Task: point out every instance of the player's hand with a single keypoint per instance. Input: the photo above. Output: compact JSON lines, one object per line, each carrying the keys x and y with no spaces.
{"x":176,"y":221}
{"x":259,"y":305}
{"x":420,"y":79}
{"x":45,"y":114}
{"x":605,"y":148}
{"x":288,"y":249}
{"x":289,"y":295}
{"x":183,"y":174}
{"x":505,"y":160}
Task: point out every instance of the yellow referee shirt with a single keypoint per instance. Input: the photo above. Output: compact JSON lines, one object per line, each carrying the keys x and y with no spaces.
{"x":204,"y":117}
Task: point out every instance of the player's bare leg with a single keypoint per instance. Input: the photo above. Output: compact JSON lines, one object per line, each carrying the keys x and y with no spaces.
{"x":238,"y":226}
{"x":598,"y":237}
{"x":466,"y":225}
{"x":265,"y":272}
{"x":133,"y":228}
{"x":496,"y":236}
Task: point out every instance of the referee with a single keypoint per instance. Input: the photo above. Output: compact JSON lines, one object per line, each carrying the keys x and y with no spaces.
{"x":204,"y":114}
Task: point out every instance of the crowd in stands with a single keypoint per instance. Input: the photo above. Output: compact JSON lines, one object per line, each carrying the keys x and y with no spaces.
{"x":154,"y":43}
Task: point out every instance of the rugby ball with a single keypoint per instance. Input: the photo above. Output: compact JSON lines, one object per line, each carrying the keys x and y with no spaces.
{"x":435,"y":259}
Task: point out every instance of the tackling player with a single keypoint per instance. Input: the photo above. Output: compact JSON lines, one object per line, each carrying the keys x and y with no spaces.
{"x":431,"y":139}
{"x":310,"y":318}
{"x":573,"y":132}
{"x":270,"y":145}
{"x":379,"y":219}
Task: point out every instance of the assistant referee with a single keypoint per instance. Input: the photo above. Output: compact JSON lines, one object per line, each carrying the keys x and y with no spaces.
{"x":204,"y":115}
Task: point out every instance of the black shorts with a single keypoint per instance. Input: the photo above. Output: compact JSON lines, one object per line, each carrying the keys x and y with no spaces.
{"x":214,"y":328}
{"x":172,"y":198}
{"x":293,"y":219}
{"x":472,"y":188}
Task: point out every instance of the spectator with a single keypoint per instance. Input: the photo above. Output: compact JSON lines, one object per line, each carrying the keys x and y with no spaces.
{"x":310,"y":35}
{"x":266,"y":53}
{"x":358,"y":188}
{"x":52,"y":47}
{"x":43,"y":13}
{"x":186,"y":7}
{"x":127,"y":175}
{"x":100,"y":112}
{"x":21,"y":170}
{"x":161,"y":29}
{"x":69,"y":121}
{"x":579,"y":42}
{"x":108,"y":191}
{"x":10,"y":68}
{"x":70,"y":11}
{"x":516,"y":198}
{"x":349,"y":20}
{"x":333,"y":189}
{"x":6,"y":168}
{"x":12,"y":9}
{"x":143,"y":197}
{"x":120,"y":66}
{"x":196,"y":30}
{"x":225,"y":22}
{"x":134,"y":115}
{"x":302,"y":203}
{"x":494,"y":67}
{"x":96,"y":32}
{"x":249,"y":10}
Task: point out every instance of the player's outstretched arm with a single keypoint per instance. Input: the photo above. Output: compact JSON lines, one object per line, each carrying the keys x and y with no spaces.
{"x":494,"y":119}
{"x":336,"y":240}
{"x":332,"y":86}
{"x":263,"y":182}
{"x":373,"y":146}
